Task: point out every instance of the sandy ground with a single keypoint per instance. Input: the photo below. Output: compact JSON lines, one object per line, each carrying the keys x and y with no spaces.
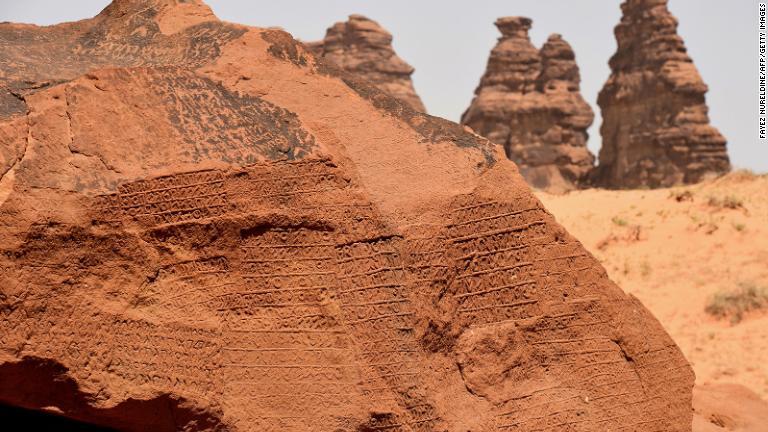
{"x":674,"y":255}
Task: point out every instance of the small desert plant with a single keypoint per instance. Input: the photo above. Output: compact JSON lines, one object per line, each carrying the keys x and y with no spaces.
{"x":645,"y":269}
{"x":744,"y":174}
{"x":681,"y":196}
{"x":739,"y":226}
{"x":619,"y":221}
{"x":710,"y":227}
{"x":734,"y":304}
{"x":730,"y":202}
{"x":733,"y":202}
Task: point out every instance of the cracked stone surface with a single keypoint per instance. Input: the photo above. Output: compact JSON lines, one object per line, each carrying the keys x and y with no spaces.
{"x":202,"y":227}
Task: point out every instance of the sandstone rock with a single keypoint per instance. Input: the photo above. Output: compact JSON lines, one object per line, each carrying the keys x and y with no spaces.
{"x":655,"y":129}
{"x":363,"y":48}
{"x":203,"y":228}
{"x":528,"y":101}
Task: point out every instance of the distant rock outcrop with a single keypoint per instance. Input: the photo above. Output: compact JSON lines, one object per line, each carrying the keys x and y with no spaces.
{"x":529,"y":102}
{"x":362,"y":47}
{"x":655,"y":129}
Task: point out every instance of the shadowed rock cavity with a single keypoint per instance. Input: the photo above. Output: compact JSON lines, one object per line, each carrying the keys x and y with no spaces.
{"x":529,"y":102}
{"x":40,"y":394}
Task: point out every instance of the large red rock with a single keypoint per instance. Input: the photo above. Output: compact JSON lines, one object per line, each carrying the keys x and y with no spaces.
{"x":205,"y":228}
{"x":655,"y":129}
{"x":363,"y":48}
{"x":529,"y":102}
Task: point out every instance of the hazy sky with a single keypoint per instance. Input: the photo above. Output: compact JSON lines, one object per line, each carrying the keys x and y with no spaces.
{"x":448,"y":43}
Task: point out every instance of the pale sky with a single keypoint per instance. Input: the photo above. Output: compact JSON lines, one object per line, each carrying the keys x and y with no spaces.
{"x":448,"y":43}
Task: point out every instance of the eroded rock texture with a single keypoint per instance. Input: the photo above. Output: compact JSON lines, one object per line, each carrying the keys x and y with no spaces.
{"x":363,"y":48}
{"x":204,"y":229}
{"x":655,"y":129}
{"x":528,"y":101}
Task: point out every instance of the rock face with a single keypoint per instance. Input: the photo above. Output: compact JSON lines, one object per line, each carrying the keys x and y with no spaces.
{"x":528,"y":101}
{"x":363,"y":48}
{"x":205,"y":228}
{"x":655,"y":127}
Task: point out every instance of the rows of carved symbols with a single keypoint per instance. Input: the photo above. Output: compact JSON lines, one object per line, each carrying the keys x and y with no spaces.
{"x":285,"y":349}
{"x":151,"y":356}
{"x":513,"y":266}
{"x":569,"y":342}
{"x":299,"y":183}
{"x":493,"y":244}
{"x":376,"y":307}
{"x":185,"y":358}
{"x":170,"y":199}
{"x":192,"y":287}
{"x":427,"y":263}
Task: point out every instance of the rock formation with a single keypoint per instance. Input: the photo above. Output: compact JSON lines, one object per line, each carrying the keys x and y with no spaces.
{"x":204,"y":228}
{"x":363,"y":48}
{"x":528,"y":101}
{"x":655,"y":129}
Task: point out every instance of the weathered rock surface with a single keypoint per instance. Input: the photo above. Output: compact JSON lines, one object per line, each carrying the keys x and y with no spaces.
{"x":528,"y":101}
{"x":655,"y":129}
{"x":205,"y":228}
{"x":363,"y":48}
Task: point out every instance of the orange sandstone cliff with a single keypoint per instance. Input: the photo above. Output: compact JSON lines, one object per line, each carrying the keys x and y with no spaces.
{"x":529,"y":102}
{"x":203,"y":227}
{"x":363,"y":48}
{"x":655,"y":130}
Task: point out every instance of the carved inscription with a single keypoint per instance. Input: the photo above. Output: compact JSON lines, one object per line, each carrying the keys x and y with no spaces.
{"x":190,"y":289}
{"x":165,"y":200}
{"x":374,"y":302}
{"x":282,"y":329}
{"x":515,"y":269}
{"x":496,"y":250}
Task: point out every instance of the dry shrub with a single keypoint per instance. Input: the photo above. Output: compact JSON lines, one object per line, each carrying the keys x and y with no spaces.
{"x":681,"y":196}
{"x":727,"y":202}
{"x":734,"y":304}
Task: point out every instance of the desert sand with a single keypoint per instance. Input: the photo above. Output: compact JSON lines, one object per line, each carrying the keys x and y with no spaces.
{"x":675,"y":255}
{"x":728,"y":407}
